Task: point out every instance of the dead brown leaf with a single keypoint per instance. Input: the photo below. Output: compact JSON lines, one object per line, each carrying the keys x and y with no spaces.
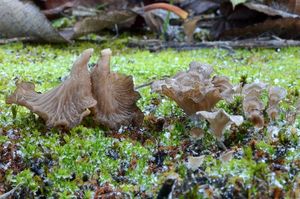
{"x":24,"y":19}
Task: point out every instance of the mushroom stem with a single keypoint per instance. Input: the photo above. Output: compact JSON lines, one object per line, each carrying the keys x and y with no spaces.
{"x":165,"y":6}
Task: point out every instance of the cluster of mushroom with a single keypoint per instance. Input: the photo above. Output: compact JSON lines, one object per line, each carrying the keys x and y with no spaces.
{"x":108,"y":96}
{"x":195,"y":90}
{"x":254,"y":107}
{"x":111,"y":99}
{"x":197,"y":94}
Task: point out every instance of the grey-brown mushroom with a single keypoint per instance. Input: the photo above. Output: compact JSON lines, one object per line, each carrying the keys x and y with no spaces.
{"x":194,"y":163}
{"x":298,"y":107}
{"x":115,"y":95}
{"x":219,"y":120}
{"x":292,"y":115}
{"x":252,"y":104}
{"x":65,"y":105}
{"x":193,"y":90}
{"x":225,"y":87}
{"x":276,"y":94}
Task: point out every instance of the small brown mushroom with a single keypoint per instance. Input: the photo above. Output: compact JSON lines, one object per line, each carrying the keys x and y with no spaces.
{"x":227,"y":156}
{"x":252,"y":104}
{"x":197,"y":133}
{"x":292,"y":115}
{"x":193,"y":90}
{"x":219,"y":120}
{"x":115,"y":95}
{"x":194,"y":163}
{"x":225,"y":87}
{"x":65,"y":105}
{"x":276,"y":94}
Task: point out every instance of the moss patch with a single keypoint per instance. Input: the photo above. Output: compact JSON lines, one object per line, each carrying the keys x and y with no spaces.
{"x":79,"y":162}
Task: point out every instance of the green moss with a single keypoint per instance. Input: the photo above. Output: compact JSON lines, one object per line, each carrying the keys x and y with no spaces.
{"x":265,"y":147}
{"x":25,"y":179}
{"x":3,"y":139}
{"x":82,"y":154}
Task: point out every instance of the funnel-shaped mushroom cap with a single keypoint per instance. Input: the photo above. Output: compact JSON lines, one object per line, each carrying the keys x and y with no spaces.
{"x":65,"y":105}
{"x":204,"y":70}
{"x":256,"y":87}
{"x":252,"y":104}
{"x":225,"y":88}
{"x":191,"y":90}
{"x":194,"y":163}
{"x":115,"y":95}
{"x":276,"y":94}
{"x":226,"y":156}
{"x":219,"y":120}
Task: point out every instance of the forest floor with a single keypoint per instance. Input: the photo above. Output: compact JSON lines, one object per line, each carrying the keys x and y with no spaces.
{"x":151,"y":161}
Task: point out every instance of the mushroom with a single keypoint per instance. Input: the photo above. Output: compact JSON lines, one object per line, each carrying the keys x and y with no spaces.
{"x":67,"y":104}
{"x":197,"y":133}
{"x":115,"y":95}
{"x":192,"y":90}
{"x":298,"y":107}
{"x":252,"y":104}
{"x":194,"y":163}
{"x":276,"y":94}
{"x":225,"y":88}
{"x":292,"y":115}
{"x":227,"y":156}
{"x":219,"y":120}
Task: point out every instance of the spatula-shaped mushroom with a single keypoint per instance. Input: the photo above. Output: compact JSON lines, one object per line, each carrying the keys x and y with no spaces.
{"x":276,"y":94}
{"x":65,"y":105}
{"x":252,"y":104}
{"x":225,"y":87}
{"x":298,"y":107}
{"x":219,"y":120}
{"x":291,"y":116}
{"x":115,"y":95}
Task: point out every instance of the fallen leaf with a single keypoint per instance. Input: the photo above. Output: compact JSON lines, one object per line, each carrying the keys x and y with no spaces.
{"x":237,"y":2}
{"x":198,"y":7}
{"x":24,"y":19}
{"x":106,"y":20}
